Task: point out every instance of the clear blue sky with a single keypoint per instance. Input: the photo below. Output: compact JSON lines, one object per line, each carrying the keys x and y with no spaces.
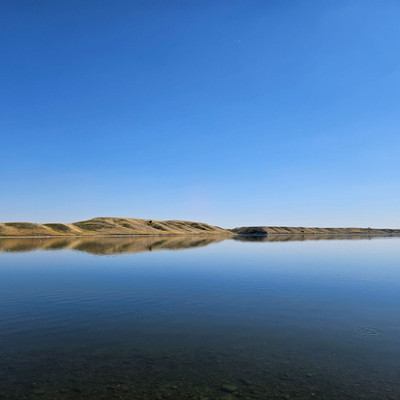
{"x":229,"y":112}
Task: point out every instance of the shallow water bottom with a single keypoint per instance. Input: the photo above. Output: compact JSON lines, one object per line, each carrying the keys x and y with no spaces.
{"x":192,"y":376}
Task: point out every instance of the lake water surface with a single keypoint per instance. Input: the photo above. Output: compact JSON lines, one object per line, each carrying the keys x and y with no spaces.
{"x":200,"y":318}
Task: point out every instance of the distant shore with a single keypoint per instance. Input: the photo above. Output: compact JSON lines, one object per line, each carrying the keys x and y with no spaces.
{"x":110,"y":226}
{"x":286,"y":230}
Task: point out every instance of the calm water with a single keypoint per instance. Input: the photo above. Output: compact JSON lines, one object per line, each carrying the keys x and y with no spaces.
{"x":199,"y":318}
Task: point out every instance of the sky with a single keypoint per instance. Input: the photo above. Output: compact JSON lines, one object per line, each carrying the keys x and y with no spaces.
{"x":228,"y":112}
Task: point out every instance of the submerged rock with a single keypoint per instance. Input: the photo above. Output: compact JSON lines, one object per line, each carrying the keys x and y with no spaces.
{"x":229,"y":388}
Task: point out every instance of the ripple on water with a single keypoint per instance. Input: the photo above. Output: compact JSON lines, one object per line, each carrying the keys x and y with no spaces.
{"x":368,"y":332}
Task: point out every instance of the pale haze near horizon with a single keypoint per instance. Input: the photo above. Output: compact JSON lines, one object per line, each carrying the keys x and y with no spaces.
{"x":231,"y":113}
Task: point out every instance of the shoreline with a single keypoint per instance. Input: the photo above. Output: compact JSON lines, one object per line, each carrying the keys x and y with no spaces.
{"x":227,"y":235}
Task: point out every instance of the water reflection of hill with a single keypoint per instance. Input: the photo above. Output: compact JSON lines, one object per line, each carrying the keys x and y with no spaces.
{"x":121,"y":245}
{"x":299,"y":237}
{"x":108,"y":245}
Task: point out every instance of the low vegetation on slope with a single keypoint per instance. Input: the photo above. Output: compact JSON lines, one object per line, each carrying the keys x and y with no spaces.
{"x":131,"y":226}
{"x":110,"y":226}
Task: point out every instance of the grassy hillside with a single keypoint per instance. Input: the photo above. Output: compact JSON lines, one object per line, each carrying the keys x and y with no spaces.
{"x":110,"y":226}
{"x":104,"y":226}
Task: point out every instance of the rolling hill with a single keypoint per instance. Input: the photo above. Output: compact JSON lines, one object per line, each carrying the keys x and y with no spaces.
{"x":104,"y":226}
{"x":110,"y":226}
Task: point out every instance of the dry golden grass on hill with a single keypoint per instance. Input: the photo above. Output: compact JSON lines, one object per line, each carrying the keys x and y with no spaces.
{"x":110,"y":226}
